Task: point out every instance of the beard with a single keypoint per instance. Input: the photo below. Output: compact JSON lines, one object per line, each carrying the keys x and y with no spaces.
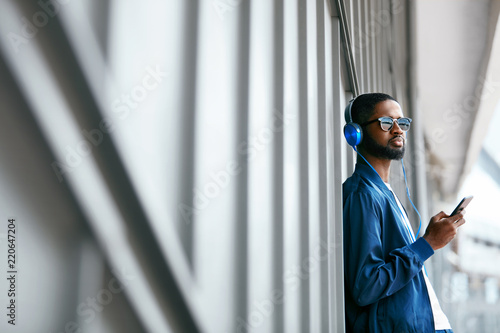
{"x":385,"y":152}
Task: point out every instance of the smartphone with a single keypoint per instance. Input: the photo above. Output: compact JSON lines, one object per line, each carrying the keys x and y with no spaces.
{"x":465,"y":201}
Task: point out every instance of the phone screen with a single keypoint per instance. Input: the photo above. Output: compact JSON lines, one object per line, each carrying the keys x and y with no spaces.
{"x":461,"y":206}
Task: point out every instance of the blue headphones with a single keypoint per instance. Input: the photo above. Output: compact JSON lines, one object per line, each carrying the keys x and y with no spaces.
{"x":352,"y":131}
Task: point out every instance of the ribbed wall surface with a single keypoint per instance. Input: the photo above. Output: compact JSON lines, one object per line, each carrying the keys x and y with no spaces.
{"x":192,"y":149}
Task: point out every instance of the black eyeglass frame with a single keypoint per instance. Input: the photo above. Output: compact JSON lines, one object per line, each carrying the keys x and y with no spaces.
{"x":393,"y":120}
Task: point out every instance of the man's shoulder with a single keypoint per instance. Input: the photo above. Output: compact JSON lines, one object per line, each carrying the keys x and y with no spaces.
{"x":359,"y":186}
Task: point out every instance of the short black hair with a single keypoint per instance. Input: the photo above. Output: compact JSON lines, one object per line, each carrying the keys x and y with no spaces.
{"x":364,"y":105}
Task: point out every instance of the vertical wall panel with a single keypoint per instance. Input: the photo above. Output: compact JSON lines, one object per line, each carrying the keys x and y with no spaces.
{"x":278,"y":167}
{"x":260,"y":168}
{"x":318,"y":252}
{"x":145,"y":137}
{"x":364,"y":47}
{"x":309,"y":262}
{"x":372,"y":45}
{"x":327,"y":279}
{"x":292,"y":157}
{"x":304,"y":165}
{"x":357,"y":40}
{"x":217,"y":166}
{"x":335,"y":178}
{"x":379,"y":36}
{"x":240,"y":241}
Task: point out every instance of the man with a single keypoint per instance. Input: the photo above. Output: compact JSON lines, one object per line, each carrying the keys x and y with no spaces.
{"x":386,"y":289}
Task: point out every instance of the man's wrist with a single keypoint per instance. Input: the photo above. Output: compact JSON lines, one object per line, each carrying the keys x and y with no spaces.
{"x":430,"y":242}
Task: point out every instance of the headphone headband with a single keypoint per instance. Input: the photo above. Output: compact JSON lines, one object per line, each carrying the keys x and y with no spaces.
{"x":348,"y":112}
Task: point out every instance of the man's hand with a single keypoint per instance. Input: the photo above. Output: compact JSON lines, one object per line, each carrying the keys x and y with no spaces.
{"x":442,"y":229}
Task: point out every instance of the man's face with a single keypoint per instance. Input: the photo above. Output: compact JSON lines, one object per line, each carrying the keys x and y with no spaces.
{"x":385,"y":144}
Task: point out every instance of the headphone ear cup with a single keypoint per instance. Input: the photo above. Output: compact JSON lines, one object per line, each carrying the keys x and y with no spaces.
{"x":353,"y":134}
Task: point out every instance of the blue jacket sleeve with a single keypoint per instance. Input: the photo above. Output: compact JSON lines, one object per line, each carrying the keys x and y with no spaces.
{"x":374,"y":268}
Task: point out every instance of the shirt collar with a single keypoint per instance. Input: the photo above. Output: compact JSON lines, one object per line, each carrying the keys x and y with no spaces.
{"x":366,"y":172}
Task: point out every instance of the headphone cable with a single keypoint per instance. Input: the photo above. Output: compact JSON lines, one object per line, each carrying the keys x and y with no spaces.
{"x":406,"y":185}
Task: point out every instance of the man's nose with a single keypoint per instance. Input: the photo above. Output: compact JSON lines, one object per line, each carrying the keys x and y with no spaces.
{"x":396,"y":128}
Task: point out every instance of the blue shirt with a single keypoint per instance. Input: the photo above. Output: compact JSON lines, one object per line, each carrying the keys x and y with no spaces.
{"x":385,"y":290}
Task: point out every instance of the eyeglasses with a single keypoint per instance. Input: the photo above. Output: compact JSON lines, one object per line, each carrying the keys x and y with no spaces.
{"x":386,"y":123}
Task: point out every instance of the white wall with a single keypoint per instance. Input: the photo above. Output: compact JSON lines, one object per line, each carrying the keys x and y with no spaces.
{"x":217,"y":188}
